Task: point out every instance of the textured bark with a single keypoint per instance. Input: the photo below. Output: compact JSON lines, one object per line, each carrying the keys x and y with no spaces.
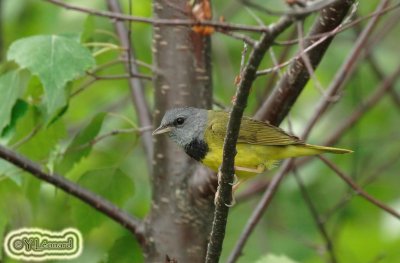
{"x":179,"y":221}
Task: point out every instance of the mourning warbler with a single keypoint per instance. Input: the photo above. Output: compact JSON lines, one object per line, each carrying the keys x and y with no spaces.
{"x":259,"y":146}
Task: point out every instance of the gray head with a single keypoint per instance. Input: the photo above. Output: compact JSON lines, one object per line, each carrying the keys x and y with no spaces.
{"x":183,"y":124}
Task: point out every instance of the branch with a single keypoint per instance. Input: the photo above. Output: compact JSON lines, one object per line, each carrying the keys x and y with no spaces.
{"x":277,"y":118}
{"x":345,"y":26}
{"x":160,"y":22}
{"x":122,"y":76}
{"x":317,"y":218}
{"x":259,"y":210}
{"x":345,"y":70}
{"x":314,"y":6}
{"x":358,"y":189}
{"x":386,"y":86}
{"x":224,"y":192}
{"x":369,"y":179}
{"x":93,"y":200}
{"x":276,"y":107}
{"x":136,"y":85}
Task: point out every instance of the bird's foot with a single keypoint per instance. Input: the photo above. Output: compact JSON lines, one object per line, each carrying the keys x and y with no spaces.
{"x":235,"y":180}
{"x":233,"y":200}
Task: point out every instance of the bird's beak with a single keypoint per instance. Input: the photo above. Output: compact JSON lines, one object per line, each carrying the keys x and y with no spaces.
{"x":161,"y":129}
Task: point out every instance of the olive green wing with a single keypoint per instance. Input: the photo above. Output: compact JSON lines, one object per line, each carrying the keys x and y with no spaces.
{"x":251,"y":131}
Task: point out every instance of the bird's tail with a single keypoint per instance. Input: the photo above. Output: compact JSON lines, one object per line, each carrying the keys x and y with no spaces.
{"x":310,"y":149}
{"x":299,"y":150}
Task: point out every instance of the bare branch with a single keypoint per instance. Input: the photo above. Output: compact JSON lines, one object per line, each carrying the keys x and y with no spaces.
{"x":314,"y":6}
{"x":345,"y":70}
{"x":276,"y":107}
{"x":379,"y":171}
{"x":122,"y":76}
{"x":136,"y":86}
{"x":160,"y":22}
{"x":386,"y":85}
{"x":343,"y":27}
{"x":262,"y":205}
{"x":224,"y":192}
{"x":93,"y":200}
{"x":316,"y":216}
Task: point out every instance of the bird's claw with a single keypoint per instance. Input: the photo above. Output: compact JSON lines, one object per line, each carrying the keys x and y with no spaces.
{"x":235,"y":180}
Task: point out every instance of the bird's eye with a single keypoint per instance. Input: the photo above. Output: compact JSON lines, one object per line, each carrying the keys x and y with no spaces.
{"x":179,"y":121}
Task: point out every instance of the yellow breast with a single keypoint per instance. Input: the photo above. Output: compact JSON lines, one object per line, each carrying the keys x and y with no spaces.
{"x":248,"y":156}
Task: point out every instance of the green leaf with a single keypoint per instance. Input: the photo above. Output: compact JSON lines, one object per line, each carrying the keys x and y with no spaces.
{"x":3,"y":224}
{"x":271,"y":258}
{"x":80,"y":146}
{"x":19,"y":109}
{"x":38,"y":140}
{"x":56,"y":60}
{"x":7,"y":169}
{"x":10,"y":89}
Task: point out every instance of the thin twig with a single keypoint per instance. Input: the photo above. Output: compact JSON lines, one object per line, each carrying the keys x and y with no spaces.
{"x":345,"y":26}
{"x":306,"y":59}
{"x":136,"y":86}
{"x":379,"y":171}
{"x":246,"y":39}
{"x":93,"y":200}
{"x":279,"y":103}
{"x":344,"y":72}
{"x":358,"y":189}
{"x":385,"y":86}
{"x":224,"y":192}
{"x":106,"y":135}
{"x":274,"y":76}
{"x":314,"y":6}
{"x":155,"y":22}
{"x":314,"y":213}
{"x":262,"y":205}
{"x":34,"y":131}
{"x":122,"y":76}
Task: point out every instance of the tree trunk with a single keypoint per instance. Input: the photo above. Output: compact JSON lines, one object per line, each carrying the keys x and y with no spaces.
{"x":180,"y":219}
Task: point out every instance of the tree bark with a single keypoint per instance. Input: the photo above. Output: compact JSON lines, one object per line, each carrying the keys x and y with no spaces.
{"x":179,"y":222}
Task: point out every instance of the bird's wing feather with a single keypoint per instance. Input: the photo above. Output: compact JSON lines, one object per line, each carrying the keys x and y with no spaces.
{"x":251,"y":131}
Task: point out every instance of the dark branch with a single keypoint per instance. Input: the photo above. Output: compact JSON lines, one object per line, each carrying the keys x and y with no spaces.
{"x":224,"y":192}
{"x":345,"y":70}
{"x":296,"y":77}
{"x":93,"y":200}
{"x":136,"y":85}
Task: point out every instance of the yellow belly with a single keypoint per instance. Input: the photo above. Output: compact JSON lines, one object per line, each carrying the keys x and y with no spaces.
{"x":248,"y":156}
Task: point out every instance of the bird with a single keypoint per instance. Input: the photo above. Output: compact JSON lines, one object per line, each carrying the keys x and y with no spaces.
{"x":260,"y":145}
